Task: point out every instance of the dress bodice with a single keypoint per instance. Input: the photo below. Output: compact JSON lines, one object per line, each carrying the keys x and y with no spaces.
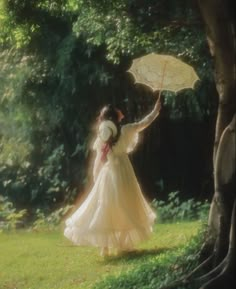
{"x":126,"y":142}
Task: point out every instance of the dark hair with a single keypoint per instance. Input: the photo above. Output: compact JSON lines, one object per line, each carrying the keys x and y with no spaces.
{"x":109,"y":112}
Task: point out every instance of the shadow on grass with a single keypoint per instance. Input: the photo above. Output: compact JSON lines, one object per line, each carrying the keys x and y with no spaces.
{"x":140,"y":254}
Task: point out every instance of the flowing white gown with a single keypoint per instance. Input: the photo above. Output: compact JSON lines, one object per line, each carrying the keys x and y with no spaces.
{"x":115,"y":214}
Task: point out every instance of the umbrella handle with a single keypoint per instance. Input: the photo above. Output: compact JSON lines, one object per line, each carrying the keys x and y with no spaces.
{"x":160,"y":97}
{"x":162,"y":80}
{"x":158,"y":94}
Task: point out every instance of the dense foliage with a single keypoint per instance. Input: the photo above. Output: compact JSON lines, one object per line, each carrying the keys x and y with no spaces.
{"x":174,"y":210}
{"x":61,"y":61}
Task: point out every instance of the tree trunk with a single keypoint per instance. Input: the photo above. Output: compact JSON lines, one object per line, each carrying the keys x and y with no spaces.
{"x":220,"y":263}
{"x":220,"y":29}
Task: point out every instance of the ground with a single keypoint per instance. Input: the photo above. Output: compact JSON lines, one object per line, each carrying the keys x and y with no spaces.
{"x":46,"y":260}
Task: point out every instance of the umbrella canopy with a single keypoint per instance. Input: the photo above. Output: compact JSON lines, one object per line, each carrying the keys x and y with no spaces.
{"x":163,"y":72}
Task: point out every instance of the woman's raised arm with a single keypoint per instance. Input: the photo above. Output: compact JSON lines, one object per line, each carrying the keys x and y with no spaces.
{"x":148,"y":119}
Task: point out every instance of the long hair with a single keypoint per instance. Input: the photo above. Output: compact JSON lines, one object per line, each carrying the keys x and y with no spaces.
{"x":109,"y":112}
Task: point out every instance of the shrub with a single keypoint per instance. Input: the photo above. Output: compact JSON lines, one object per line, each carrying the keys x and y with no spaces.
{"x":10,"y":217}
{"x":176,"y":210}
{"x":51,"y":221}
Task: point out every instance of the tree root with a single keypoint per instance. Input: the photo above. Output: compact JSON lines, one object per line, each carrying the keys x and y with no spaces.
{"x":214,"y":272}
{"x":219,"y":276}
{"x":186,"y":279}
{"x":224,"y":272}
{"x":226,"y":276}
{"x":203,"y":265}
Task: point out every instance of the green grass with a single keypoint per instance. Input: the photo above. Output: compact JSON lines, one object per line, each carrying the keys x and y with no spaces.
{"x":46,"y":260}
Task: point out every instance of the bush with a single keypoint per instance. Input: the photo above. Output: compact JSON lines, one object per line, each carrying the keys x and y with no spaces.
{"x":10,"y":217}
{"x":51,"y":221}
{"x":176,"y":210}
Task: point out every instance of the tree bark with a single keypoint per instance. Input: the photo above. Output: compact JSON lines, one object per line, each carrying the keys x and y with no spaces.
{"x":219,"y":266}
{"x":219,"y":18}
{"x":222,"y":259}
{"x":220,"y":29}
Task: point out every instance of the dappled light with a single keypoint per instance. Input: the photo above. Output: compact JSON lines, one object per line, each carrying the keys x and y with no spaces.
{"x":117,"y":130}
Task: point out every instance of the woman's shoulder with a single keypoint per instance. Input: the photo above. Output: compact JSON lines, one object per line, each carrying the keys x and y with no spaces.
{"x":106,"y":129}
{"x":127,"y":127}
{"x":108,"y":124}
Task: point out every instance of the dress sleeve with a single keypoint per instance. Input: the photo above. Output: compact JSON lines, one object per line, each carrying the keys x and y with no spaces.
{"x":105,"y":131}
{"x":131,"y":130}
{"x":146,"y":121}
{"x":131,"y":137}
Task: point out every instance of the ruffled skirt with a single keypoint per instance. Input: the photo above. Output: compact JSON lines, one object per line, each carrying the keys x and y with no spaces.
{"x":115,"y":214}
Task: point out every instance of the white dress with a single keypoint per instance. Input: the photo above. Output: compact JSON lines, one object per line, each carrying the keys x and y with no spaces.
{"x":115,"y":214}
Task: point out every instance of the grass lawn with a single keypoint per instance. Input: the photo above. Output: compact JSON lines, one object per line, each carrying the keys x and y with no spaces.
{"x":46,"y":260}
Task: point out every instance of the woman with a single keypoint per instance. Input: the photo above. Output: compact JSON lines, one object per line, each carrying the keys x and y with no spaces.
{"x":115,"y":215}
